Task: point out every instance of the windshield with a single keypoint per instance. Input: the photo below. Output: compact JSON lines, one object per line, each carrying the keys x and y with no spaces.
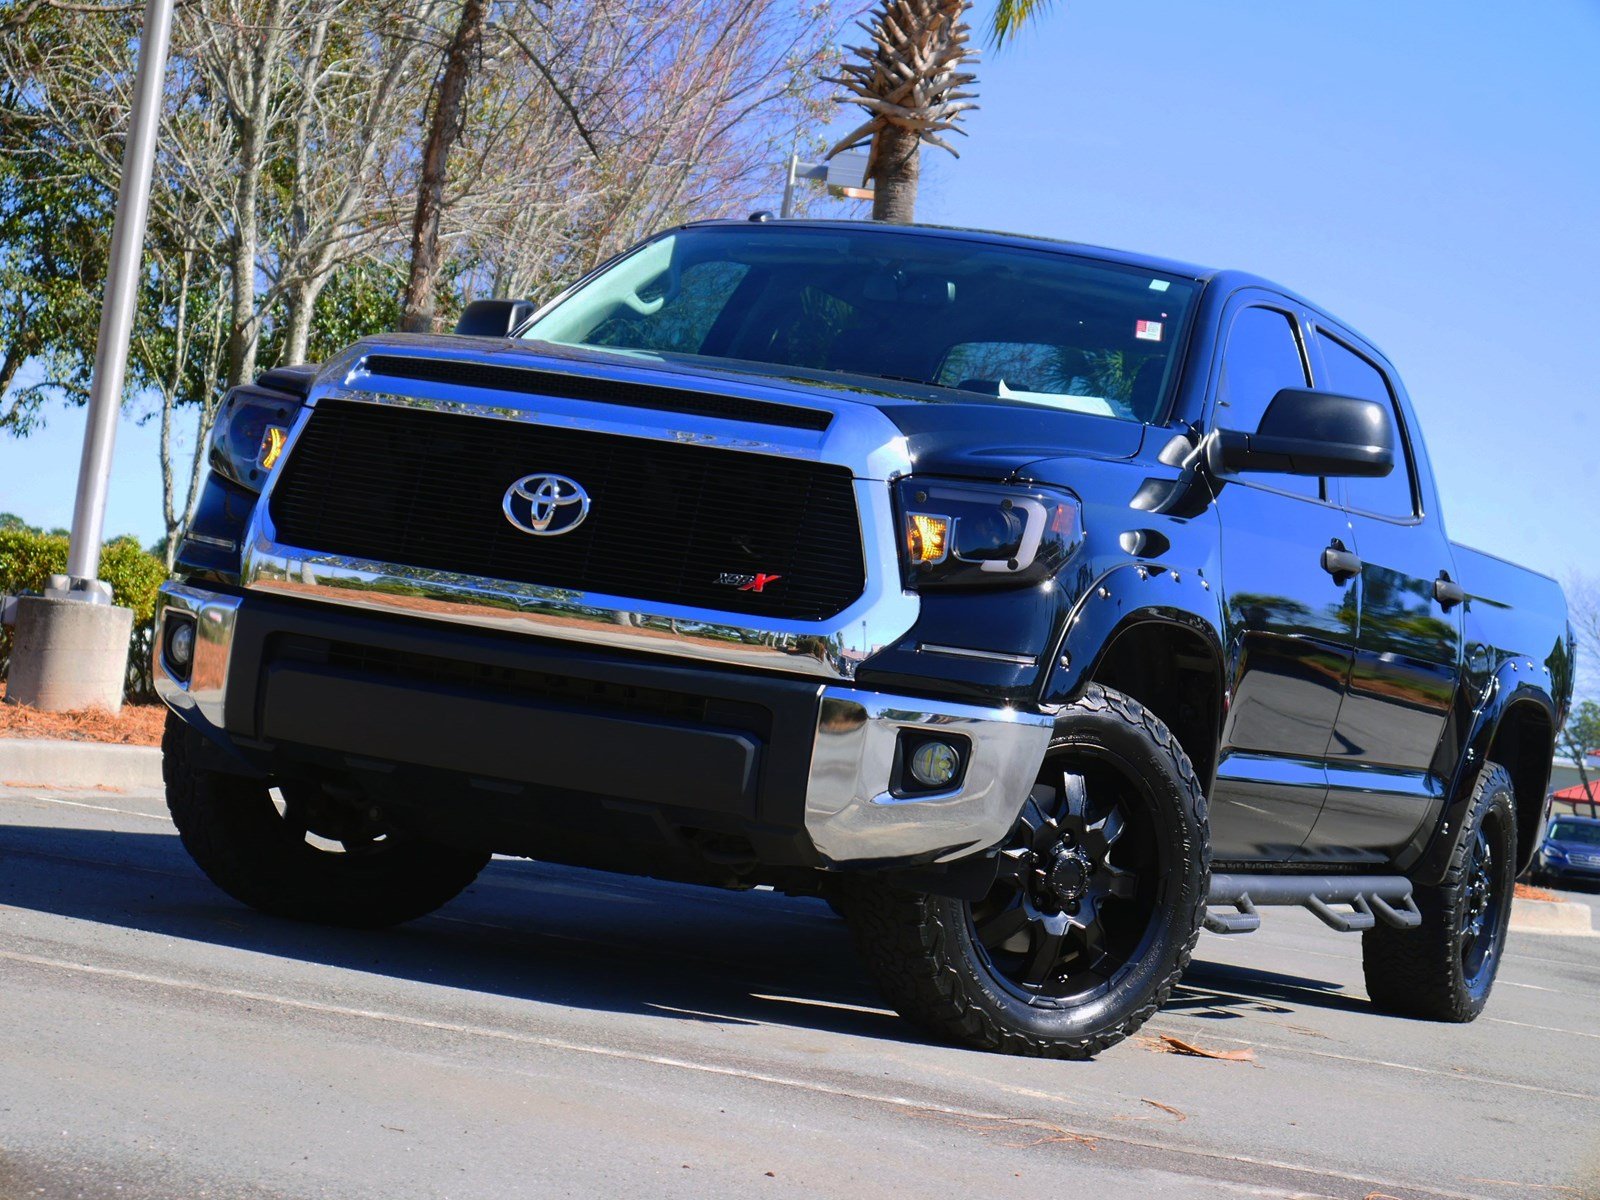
{"x":1574,"y":831}
{"x":1029,"y":326}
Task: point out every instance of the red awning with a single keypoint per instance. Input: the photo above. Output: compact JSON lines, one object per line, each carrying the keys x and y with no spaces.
{"x":1576,"y":795}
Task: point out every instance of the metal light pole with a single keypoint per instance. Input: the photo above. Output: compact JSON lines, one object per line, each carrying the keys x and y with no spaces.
{"x":72,"y":644}
{"x":122,"y":297}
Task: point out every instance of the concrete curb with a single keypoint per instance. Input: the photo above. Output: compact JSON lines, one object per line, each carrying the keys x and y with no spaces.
{"x":47,"y":762}
{"x":1551,"y":916}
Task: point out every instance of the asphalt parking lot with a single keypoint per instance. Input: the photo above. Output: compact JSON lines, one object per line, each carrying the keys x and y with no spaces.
{"x":562,"y":1033}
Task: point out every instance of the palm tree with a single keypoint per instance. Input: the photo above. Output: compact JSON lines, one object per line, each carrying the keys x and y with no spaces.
{"x":911,"y":83}
{"x":1012,"y":15}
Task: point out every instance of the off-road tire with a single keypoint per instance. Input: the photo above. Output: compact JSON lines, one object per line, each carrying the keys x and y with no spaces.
{"x":1421,"y":972}
{"x":235,"y":834}
{"x":920,"y":948}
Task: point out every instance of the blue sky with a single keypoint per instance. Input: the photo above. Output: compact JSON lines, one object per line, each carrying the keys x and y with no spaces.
{"x":1429,"y":172}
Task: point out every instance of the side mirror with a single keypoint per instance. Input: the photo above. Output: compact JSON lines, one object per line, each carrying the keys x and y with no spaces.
{"x":493,"y":318}
{"x":1310,"y":433}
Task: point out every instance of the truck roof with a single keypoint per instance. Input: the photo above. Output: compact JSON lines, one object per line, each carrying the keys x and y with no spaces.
{"x":1165,"y":266}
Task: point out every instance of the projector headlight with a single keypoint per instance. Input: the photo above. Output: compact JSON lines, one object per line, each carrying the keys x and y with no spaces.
{"x":249,"y":436}
{"x":985,"y":535}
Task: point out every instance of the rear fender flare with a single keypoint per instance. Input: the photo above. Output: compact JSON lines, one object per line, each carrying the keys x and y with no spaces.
{"x":1514,"y":683}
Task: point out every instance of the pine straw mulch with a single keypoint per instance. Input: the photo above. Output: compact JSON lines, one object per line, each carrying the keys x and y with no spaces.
{"x":135,"y":725}
{"x":1527,"y":891}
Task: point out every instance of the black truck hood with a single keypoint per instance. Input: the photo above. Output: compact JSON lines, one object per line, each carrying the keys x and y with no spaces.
{"x":947,"y":432}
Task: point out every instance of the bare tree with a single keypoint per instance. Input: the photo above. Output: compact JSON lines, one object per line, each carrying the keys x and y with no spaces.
{"x":306,"y":99}
{"x":608,"y":119}
{"x":288,"y":164}
{"x":193,"y":341}
{"x":1583,"y":608}
{"x":275,"y":166}
{"x":449,"y":115}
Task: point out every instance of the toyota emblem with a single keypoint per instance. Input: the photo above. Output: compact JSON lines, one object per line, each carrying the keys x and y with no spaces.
{"x":546,"y":505}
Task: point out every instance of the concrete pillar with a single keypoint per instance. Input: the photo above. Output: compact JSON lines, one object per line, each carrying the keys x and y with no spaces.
{"x":68,"y":654}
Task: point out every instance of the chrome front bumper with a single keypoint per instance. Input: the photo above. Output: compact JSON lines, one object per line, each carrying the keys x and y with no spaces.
{"x":852,"y":815}
{"x":203,"y":692}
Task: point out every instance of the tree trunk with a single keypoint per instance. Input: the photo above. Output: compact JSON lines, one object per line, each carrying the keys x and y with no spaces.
{"x":16,"y":355}
{"x":446,"y":128}
{"x":302,"y":308}
{"x":251,"y":124}
{"x":242,"y":336}
{"x":895,"y":176}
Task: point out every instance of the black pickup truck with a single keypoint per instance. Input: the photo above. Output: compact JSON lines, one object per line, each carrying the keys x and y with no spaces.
{"x":1036,"y":605}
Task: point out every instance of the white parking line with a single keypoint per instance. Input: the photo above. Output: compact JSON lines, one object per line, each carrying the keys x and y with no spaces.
{"x":127,"y":812}
{"x":1544,"y":1028}
{"x":1463,"y":1076}
{"x":544,"y":1041}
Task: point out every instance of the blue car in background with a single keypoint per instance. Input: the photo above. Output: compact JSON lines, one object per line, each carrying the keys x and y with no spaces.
{"x":1571,"y":850}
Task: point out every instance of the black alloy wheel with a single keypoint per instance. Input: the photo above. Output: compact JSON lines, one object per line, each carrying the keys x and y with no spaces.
{"x":1072,"y":904}
{"x":326,"y":822}
{"x":1486,"y":905}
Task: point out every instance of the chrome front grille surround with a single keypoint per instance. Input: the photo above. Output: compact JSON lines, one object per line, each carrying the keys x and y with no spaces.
{"x":858,"y":437}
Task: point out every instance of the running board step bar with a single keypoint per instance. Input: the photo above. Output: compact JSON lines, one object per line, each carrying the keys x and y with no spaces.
{"x":1371,"y":898}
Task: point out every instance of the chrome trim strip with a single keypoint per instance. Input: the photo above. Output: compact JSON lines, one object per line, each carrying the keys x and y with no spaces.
{"x":205,"y":539}
{"x":860,"y":438}
{"x":851,"y":815}
{"x":1020,"y":660}
{"x":214,"y":616}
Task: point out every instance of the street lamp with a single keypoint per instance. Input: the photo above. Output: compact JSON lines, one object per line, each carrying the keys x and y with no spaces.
{"x":71,"y":644}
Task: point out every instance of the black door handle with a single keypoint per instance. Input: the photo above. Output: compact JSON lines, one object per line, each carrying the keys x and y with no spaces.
{"x":1448,"y":592}
{"x":1342,"y":564}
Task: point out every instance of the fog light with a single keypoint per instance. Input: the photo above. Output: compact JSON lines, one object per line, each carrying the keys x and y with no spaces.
{"x":180,"y":646}
{"x":934,"y":764}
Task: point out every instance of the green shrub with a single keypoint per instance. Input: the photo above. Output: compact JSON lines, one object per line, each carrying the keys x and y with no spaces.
{"x":28,"y":557}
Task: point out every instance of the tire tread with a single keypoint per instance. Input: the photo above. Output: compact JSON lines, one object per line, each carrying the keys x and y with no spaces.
{"x":906,"y":944}
{"x":215,"y":817}
{"x":1411,"y":972}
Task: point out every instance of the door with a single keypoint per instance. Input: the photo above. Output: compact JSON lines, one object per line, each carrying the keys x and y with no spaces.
{"x":1291,"y":622}
{"x":1383,"y":784}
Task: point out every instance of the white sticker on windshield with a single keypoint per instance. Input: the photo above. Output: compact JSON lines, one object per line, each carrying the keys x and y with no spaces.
{"x":1147,"y":331}
{"x":1160,"y":285}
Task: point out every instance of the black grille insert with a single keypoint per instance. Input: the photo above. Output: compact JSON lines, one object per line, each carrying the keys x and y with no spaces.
{"x":493,"y":679}
{"x":606,"y":391}
{"x":668,"y":522}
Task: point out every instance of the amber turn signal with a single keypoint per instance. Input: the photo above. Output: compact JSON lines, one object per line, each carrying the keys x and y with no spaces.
{"x":927,"y":538}
{"x":272,"y":442}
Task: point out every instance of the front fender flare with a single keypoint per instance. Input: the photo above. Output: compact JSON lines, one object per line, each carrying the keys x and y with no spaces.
{"x":1129,"y":595}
